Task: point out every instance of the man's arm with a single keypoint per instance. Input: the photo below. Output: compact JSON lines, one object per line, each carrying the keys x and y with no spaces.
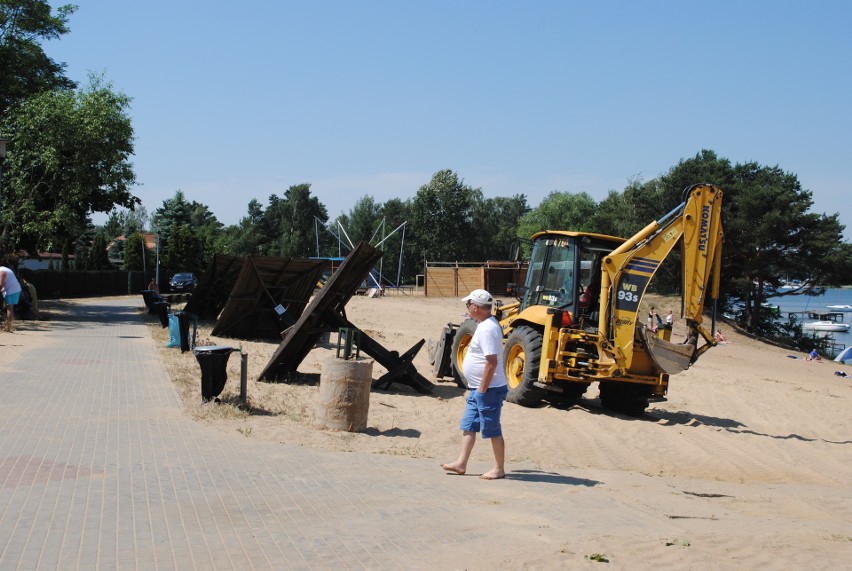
{"x":488,"y":372}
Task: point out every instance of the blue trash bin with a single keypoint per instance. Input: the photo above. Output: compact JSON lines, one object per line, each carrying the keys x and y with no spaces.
{"x":174,"y":331}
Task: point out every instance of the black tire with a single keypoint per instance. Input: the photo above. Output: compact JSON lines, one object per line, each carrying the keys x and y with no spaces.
{"x":436,"y":354}
{"x":461,"y":341}
{"x":521,"y":359}
{"x":630,"y":399}
{"x":571,"y":393}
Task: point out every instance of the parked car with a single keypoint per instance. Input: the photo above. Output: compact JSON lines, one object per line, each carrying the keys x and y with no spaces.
{"x":183,"y":281}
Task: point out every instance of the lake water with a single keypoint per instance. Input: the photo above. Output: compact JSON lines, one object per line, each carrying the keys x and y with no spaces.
{"x":831,"y":296}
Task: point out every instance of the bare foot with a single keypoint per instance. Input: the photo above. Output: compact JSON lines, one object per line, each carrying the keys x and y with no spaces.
{"x":493,"y":474}
{"x":454,"y":469}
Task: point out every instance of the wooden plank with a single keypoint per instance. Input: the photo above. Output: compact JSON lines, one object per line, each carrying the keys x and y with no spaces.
{"x":214,"y":287}
{"x":469,"y":279}
{"x":264,"y":283}
{"x":330,"y":301}
{"x":441,"y":282}
{"x":400,"y":368}
{"x":326,"y":313}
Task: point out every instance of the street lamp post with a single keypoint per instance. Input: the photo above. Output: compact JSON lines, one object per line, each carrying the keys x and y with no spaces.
{"x":158,"y":258}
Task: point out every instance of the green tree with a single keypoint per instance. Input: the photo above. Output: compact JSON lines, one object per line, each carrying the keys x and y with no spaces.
{"x":496,"y":224}
{"x":98,"y":259}
{"x":363,"y":221}
{"x":25,"y":70}
{"x":442,"y":215}
{"x":395,"y":237}
{"x":137,"y":256}
{"x":82,"y":247}
{"x":770,"y":232}
{"x":69,"y":158}
{"x":208,"y":231}
{"x":376,"y":224}
{"x":560,"y":211}
{"x":291,"y":222}
{"x":182,"y":250}
{"x":126,"y":221}
{"x":66,"y":250}
{"x":246,"y":237}
{"x":175,"y":211}
{"x":194,"y":251}
{"x":624,"y":213}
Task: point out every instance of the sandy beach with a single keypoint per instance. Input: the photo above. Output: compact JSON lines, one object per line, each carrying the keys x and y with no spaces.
{"x":751,"y":433}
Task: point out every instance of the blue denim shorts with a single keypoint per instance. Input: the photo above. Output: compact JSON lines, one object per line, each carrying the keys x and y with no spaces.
{"x":482,"y":412}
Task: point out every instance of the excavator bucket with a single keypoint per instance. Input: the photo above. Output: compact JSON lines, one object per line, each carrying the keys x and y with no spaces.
{"x":671,"y":358}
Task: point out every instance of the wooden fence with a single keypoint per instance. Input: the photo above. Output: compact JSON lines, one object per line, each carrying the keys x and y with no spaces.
{"x":456,"y":279}
{"x":55,"y":284}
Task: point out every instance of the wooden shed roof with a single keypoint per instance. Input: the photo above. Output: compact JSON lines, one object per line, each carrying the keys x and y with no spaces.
{"x":268,"y":296}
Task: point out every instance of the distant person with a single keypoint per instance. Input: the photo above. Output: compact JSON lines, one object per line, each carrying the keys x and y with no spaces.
{"x":720,"y":338}
{"x":153,"y":286}
{"x":670,"y":319}
{"x":486,"y":379}
{"x":653,"y":320}
{"x":813,"y":356}
{"x":11,"y":289}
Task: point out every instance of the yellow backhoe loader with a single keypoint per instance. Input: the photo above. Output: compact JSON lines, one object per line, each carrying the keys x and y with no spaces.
{"x":576,"y":319}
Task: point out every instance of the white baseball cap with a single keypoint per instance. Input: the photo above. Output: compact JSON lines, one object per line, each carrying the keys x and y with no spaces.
{"x":479,"y":297}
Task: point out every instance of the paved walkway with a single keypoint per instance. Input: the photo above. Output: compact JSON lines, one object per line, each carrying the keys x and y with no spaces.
{"x":100,"y":468}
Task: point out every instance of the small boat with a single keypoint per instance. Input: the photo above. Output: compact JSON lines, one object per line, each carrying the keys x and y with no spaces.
{"x":845,"y":356}
{"x":825,"y":326}
{"x":771,"y":308}
{"x":844,"y":308}
{"x":790,"y":285}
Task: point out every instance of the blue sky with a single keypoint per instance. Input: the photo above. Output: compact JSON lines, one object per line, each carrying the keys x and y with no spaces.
{"x":234,"y":101}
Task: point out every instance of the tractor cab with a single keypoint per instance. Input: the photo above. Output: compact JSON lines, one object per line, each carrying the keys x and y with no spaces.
{"x":565,"y":271}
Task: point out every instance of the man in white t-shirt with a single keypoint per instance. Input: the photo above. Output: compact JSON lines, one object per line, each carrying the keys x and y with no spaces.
{"x":486,"y":379}
{"x":11,"y":290}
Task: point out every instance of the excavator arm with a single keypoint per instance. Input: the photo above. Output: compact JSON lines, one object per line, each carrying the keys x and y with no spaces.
{"x":625,"y":273}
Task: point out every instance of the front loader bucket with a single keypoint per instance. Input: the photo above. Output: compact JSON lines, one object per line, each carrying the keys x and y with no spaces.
{"x":671,"y":358}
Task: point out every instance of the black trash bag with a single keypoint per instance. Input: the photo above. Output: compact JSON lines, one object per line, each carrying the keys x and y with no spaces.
{"x":184,"y":320}
{"x":148,"y":297}
{"x":213,"y":361}
{"x":161,"y":308}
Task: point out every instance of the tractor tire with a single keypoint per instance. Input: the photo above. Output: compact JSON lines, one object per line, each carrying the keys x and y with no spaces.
{"x":630,"y":399}
{"x":461,"y":342}
{"x":571,"y":393}
{"x":521,"y":359}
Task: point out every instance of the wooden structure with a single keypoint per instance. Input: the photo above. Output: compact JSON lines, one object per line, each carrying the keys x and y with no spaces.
{"x":835,"y":316}
{"x":325,"y":313}
{"x":214,"y":287}
{"x":268,"y":296}
{"x":457,"y":279}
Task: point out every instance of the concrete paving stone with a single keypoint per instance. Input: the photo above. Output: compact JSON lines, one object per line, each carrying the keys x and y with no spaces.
{"x":100,"y":467}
